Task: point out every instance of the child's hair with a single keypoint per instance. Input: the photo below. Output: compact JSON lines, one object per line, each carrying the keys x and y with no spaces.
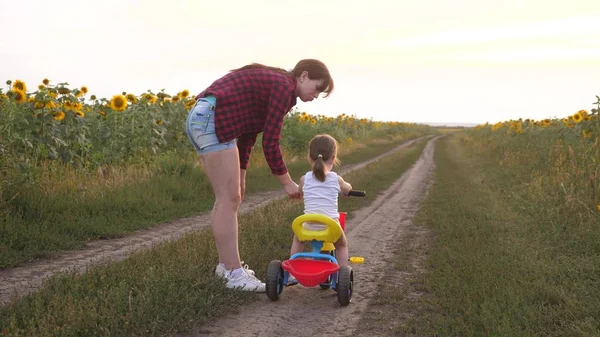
{"x":316,"y":70}
{"x":321,"y":149}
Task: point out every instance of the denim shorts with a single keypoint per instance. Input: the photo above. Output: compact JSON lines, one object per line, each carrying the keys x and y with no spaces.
{"x":200,"y":128}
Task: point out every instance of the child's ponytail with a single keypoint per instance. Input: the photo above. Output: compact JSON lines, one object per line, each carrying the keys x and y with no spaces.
{"x":319,"y":168}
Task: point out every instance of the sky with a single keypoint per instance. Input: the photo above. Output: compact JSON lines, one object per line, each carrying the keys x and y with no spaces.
{"x":426,"y":61}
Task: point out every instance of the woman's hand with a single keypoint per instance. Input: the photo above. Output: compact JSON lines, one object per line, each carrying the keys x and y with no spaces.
{"x":291,"y":189}
{"x":289,"y":186}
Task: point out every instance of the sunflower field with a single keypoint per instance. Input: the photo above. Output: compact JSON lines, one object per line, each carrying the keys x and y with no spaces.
{"x":54,"y":126}
{"x":56,"y":122}
{"x":559,"y":158}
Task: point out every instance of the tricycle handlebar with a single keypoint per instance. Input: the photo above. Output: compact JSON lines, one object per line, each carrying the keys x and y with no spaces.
{"x":357,"y":193}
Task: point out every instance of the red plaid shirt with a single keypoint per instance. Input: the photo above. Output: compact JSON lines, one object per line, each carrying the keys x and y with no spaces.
{"x":249,"y":102}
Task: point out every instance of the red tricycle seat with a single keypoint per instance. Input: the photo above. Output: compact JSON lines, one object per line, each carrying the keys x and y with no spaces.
{"x":310,"y":273}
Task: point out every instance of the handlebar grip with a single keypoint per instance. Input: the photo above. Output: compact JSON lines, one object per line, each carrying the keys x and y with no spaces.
{"x":356,"y":193}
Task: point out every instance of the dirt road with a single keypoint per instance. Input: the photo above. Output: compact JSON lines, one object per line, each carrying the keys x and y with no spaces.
{"x":16,"y":282}
{"x":372,"y":233}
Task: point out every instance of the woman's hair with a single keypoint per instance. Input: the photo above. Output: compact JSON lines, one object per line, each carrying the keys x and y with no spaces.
{"x":321,"y":149}
{"x":316,"y":70}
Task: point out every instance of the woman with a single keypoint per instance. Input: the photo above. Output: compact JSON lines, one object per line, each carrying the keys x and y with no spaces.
{"x":223,"y":126}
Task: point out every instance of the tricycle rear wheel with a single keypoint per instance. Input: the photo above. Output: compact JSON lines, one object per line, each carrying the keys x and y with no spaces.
{"x":274,"y":284}
{"x":345,"y":285}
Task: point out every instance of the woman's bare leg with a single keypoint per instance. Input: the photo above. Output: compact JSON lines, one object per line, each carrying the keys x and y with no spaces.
{"x":223,"y":171}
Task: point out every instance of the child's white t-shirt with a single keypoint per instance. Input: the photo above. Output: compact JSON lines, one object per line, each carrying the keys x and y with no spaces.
{"x":321,"y":197}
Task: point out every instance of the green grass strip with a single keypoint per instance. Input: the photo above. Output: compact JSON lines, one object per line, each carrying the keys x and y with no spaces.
{"x":498,"y":265}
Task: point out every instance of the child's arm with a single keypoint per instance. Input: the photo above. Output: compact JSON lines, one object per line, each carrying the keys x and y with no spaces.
{"x":301,"y":184}
{"x":344,"y":186}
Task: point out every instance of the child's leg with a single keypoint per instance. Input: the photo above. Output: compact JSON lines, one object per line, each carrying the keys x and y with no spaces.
{"x":341,"y":250}
{"x":297,"y":246}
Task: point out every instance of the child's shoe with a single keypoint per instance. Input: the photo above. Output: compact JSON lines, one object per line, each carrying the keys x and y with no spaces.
{"x":291,"y":280}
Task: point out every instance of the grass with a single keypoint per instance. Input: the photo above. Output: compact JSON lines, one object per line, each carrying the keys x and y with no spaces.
{"x":68,"y":209}
{"x":500,"y":263}
{"x":171,"y":287}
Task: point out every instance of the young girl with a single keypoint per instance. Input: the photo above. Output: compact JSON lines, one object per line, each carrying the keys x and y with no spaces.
{"x":321,"y":188}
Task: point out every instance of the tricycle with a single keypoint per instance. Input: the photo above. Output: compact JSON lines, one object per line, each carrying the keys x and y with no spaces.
{"x":319,"y":267}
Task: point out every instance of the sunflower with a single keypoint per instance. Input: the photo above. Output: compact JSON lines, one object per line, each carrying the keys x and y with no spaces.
{"x":19,"y":85}
{"x":190,"y":103}
{"x":159,"y":122}
{"x":79,"y":113}
{"x":586,"y":134}
{"x":41,"y":87}
{"x":175,"y":99}
{"x":150,"y":98}
{"x":19,"y":95}
{"x":185,"y":93}
{"x":313,"y":121}
{"x":64,"y":91}
{"x":131,"y":98}
{"x":577,"y":117}
{"x":50,"y":105}
{"x":118,"y":103}
{"x":46,"y":81}
{"x":84,"y":90}
{"x":38,"y":105}
{"x":93,"y":97}
{"x":59,"y":116}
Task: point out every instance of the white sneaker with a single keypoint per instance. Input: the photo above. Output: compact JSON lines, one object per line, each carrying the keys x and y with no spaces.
{"x":221,"y":271}
{"x":244,"y":281}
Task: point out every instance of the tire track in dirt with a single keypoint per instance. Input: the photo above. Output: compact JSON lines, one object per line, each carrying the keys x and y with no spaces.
{"x":372,"y":233}
{"x":19,"y":281}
